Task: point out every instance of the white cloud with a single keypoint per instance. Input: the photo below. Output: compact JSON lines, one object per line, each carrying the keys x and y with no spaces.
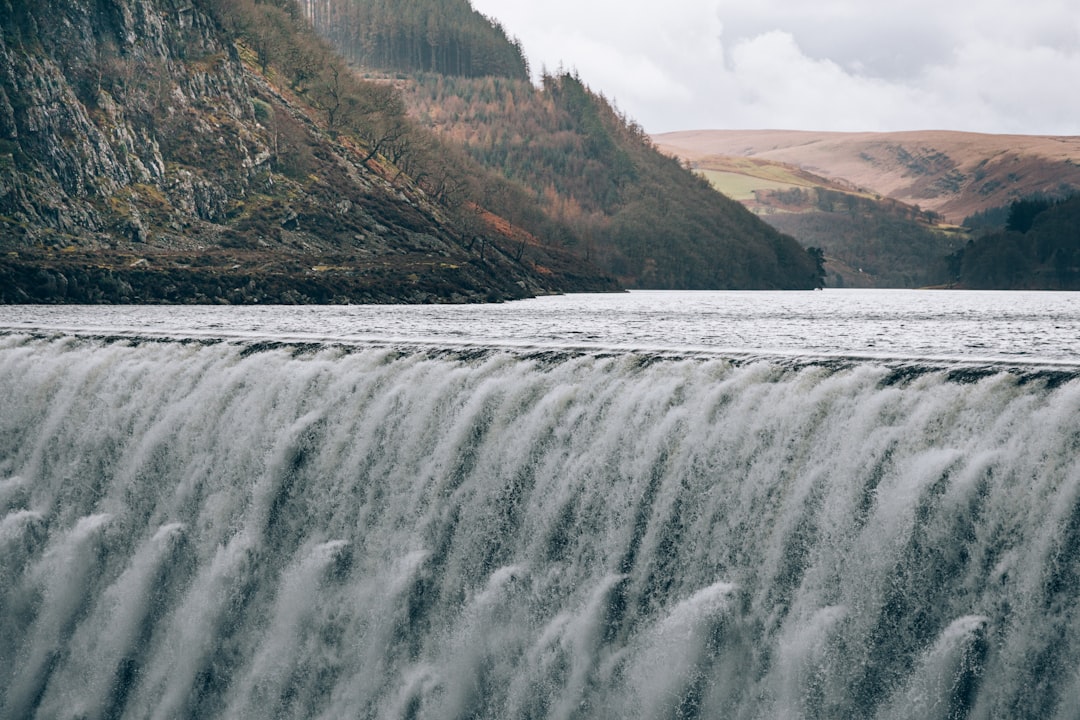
{"x":991,"y":66}
{"x":1016,"y":88}
{"x":781,"y":87}
{"x":603,"y":65}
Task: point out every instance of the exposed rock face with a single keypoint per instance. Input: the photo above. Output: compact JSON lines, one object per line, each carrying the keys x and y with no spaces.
{"x":142,"y":160}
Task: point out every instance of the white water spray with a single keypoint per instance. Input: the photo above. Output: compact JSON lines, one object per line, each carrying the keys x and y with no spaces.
{"x":227,"y":530}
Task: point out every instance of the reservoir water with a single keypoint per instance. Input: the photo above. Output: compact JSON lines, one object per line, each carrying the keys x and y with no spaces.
{"x":651,"y":505}
{"x":887,"y":324}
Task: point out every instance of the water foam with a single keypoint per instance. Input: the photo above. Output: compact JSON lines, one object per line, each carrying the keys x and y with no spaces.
{"x":223,"y":530}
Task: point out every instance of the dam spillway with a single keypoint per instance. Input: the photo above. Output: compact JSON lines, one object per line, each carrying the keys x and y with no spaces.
{"x":240,"y":529}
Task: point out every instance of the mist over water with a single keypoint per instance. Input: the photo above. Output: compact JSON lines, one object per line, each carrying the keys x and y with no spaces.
{"x":204,"y":528}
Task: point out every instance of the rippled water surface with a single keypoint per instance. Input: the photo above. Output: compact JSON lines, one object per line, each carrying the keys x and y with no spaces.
{"x":993,"y":326}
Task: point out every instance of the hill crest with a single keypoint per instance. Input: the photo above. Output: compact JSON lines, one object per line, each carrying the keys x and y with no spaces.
{"x":955,"y":174}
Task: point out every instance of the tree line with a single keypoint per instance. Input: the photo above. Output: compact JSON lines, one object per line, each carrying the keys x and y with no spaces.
{"x":1039,"y":248}
{"x":441,"y":36}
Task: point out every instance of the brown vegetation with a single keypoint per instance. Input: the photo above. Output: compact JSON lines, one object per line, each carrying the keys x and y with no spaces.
{"x":952,"y":173}
{"x":602,"y":187}
{"x":221,"y":155}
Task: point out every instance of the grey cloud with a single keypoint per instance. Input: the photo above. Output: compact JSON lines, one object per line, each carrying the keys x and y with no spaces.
{"x":988,"y":66}
{"x":885,"y":47}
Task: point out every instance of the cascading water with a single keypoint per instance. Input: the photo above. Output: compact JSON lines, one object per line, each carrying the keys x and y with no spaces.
{"x":227,"y":529}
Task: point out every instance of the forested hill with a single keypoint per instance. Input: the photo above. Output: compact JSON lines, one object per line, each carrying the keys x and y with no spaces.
{"x":442,"y":36}
{"x":640,"y":214}
{"x":220,"y":151}
{"x":1038,"y":250}
{"x":604,"y":190}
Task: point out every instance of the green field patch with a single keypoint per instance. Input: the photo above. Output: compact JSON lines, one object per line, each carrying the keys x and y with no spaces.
{"x":738,"y":186}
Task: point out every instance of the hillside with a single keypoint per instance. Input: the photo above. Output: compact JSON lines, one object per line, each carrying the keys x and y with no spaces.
{"x":868,"y":240}
{"x":637,"y":213}
{"x":601,"y":188}
{"x":1038,"y":250}
{"x":953,"y":174}
{"x":220,"y":152}
{"x":884,"y":207}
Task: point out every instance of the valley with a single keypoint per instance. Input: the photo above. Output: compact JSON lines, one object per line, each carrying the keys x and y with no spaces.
{"x":888,"y":208}
{"x":953,"y":174}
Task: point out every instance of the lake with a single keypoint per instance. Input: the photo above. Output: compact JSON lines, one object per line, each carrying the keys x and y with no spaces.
{"x":1025,"y":327}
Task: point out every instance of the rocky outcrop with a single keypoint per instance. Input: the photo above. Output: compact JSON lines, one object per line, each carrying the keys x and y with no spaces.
{"x":142,"y":159}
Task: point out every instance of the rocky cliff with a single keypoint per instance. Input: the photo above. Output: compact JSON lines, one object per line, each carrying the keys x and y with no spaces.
{"x":146,"y":157}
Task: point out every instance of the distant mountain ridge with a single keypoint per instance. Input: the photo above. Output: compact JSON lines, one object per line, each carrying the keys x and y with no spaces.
{"x":955,"y":174}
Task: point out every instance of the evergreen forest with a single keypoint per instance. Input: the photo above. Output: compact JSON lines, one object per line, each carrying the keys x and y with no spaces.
{"x":442,"y":36}
{"x":641,"y":215}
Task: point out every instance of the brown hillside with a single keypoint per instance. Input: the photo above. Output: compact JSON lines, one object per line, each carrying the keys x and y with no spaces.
{"x":952,"y":173}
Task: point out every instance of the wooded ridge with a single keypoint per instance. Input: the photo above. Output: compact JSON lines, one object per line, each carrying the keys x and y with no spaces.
{"x":582,"y":175}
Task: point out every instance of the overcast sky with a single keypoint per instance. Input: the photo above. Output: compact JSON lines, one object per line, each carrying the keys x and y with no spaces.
{"x":998,"y":66}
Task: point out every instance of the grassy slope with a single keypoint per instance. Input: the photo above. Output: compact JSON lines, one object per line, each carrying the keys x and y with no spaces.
{"x":952,"y":173}
{"x":744,"y":179}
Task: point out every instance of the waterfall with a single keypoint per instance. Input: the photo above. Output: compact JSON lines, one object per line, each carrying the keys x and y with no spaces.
{"x":233,"y":529}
